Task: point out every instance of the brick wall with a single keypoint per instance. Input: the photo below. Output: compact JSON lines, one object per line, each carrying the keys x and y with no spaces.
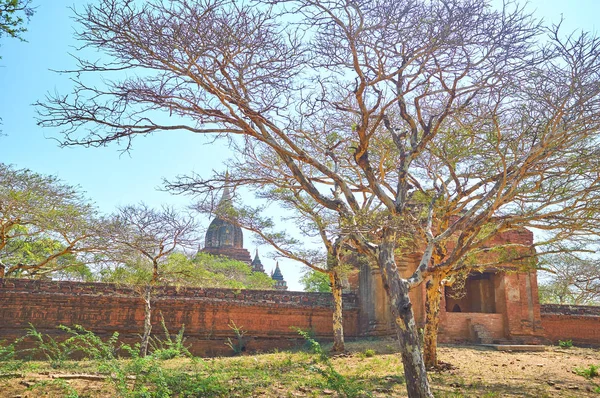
{"x":569,"y":322}
{"x":458,"y":327}
{"x":267,"y":316}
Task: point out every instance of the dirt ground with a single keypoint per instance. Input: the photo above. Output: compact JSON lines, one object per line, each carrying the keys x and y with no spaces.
{"x":550,"y":373}
{"x":476,"y":372}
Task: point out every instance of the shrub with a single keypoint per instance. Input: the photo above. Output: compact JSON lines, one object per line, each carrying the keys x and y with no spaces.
{"x":7,"y":357}
{"x":7,"y":351}
{"x":169,"y":348}
{"x":88,"y":343}
{"x":55,"y":352}
{"x":239,"y":344}
{"x":565,"y":343}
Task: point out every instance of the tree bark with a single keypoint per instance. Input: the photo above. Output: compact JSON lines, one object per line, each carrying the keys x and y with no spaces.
{"x":397,"y":290}
{"x":147,"y":323}
{"x":338,"y":324}
{"x":432,"y":320}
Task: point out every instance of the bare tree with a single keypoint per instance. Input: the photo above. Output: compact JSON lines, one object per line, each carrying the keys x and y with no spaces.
{"x":392,"y":82}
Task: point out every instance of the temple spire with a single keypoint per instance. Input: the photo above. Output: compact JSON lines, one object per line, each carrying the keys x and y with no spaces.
{"x":277,"y":276}
{"x":257,"y":264}
{"x":226,"y":196}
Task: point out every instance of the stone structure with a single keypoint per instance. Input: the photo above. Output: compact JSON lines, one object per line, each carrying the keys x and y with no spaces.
{"x":268,"y":316}
{"x":578,"y":323}
{"x":498,"y":305}
{"x":280,"y":283}
{"x":224,"y":238}
{"x":257,"y":264}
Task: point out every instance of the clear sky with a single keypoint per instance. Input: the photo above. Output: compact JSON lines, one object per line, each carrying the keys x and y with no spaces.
{"x":108,"y":177}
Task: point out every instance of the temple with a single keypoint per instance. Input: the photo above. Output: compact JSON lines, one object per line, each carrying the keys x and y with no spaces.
{"x":496,"y":305}
{"x":224,"y":238}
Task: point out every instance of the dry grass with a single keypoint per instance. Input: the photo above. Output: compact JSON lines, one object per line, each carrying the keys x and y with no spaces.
{"x":477,"y":372}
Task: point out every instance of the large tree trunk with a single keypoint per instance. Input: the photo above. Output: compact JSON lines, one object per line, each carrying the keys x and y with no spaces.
{"x":432,"y":320}
{"x":397,"y":289}
{"x":338,"y":324}
{"x":147,"y":323}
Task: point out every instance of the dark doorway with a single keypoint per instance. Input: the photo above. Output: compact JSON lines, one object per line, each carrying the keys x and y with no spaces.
{"x":478,"y":295}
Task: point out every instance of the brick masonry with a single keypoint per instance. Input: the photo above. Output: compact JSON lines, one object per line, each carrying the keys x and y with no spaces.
{"x":581,"y":324}
{"x":268,"y":317}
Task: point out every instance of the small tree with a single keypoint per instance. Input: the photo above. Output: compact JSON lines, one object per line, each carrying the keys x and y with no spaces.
{"x":141,"y":239}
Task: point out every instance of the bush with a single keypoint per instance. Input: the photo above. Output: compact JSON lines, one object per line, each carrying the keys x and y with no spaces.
{"x":169,"y":348}
{"x":56,"y":353}
{"x":369,"y":353}
{"x":7,"y":357}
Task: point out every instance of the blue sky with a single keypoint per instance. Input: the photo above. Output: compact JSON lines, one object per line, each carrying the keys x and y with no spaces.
{"x":108,"y":177}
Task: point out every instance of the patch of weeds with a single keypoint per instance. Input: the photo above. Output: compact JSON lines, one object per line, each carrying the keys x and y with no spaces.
{"x":491,"y":394}
{"x":589,"y":372}
{"x":239,"y":344}
{"x":230,"y":377}
{"x":444,"y":394}
{"x":134,"y":378}
{"x":197,"y":385}
{"x":8,"y":351}
{"x":565,"y":343}
{"x":8,"y":363}
{"x":57,"y":353}
{"x":322,"y":365}
{"x":139,"y":377}
{"x":89,"y":344}
{"x":56,"y":386}
{"x":368,"y":353}
{"x":288,"y":361}
{"x":169,"y":348}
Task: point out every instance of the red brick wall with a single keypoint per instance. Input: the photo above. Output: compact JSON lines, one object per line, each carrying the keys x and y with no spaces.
{"x":456,"y":326}
{"x":578,"y":323}
{"x":267,"y":316}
